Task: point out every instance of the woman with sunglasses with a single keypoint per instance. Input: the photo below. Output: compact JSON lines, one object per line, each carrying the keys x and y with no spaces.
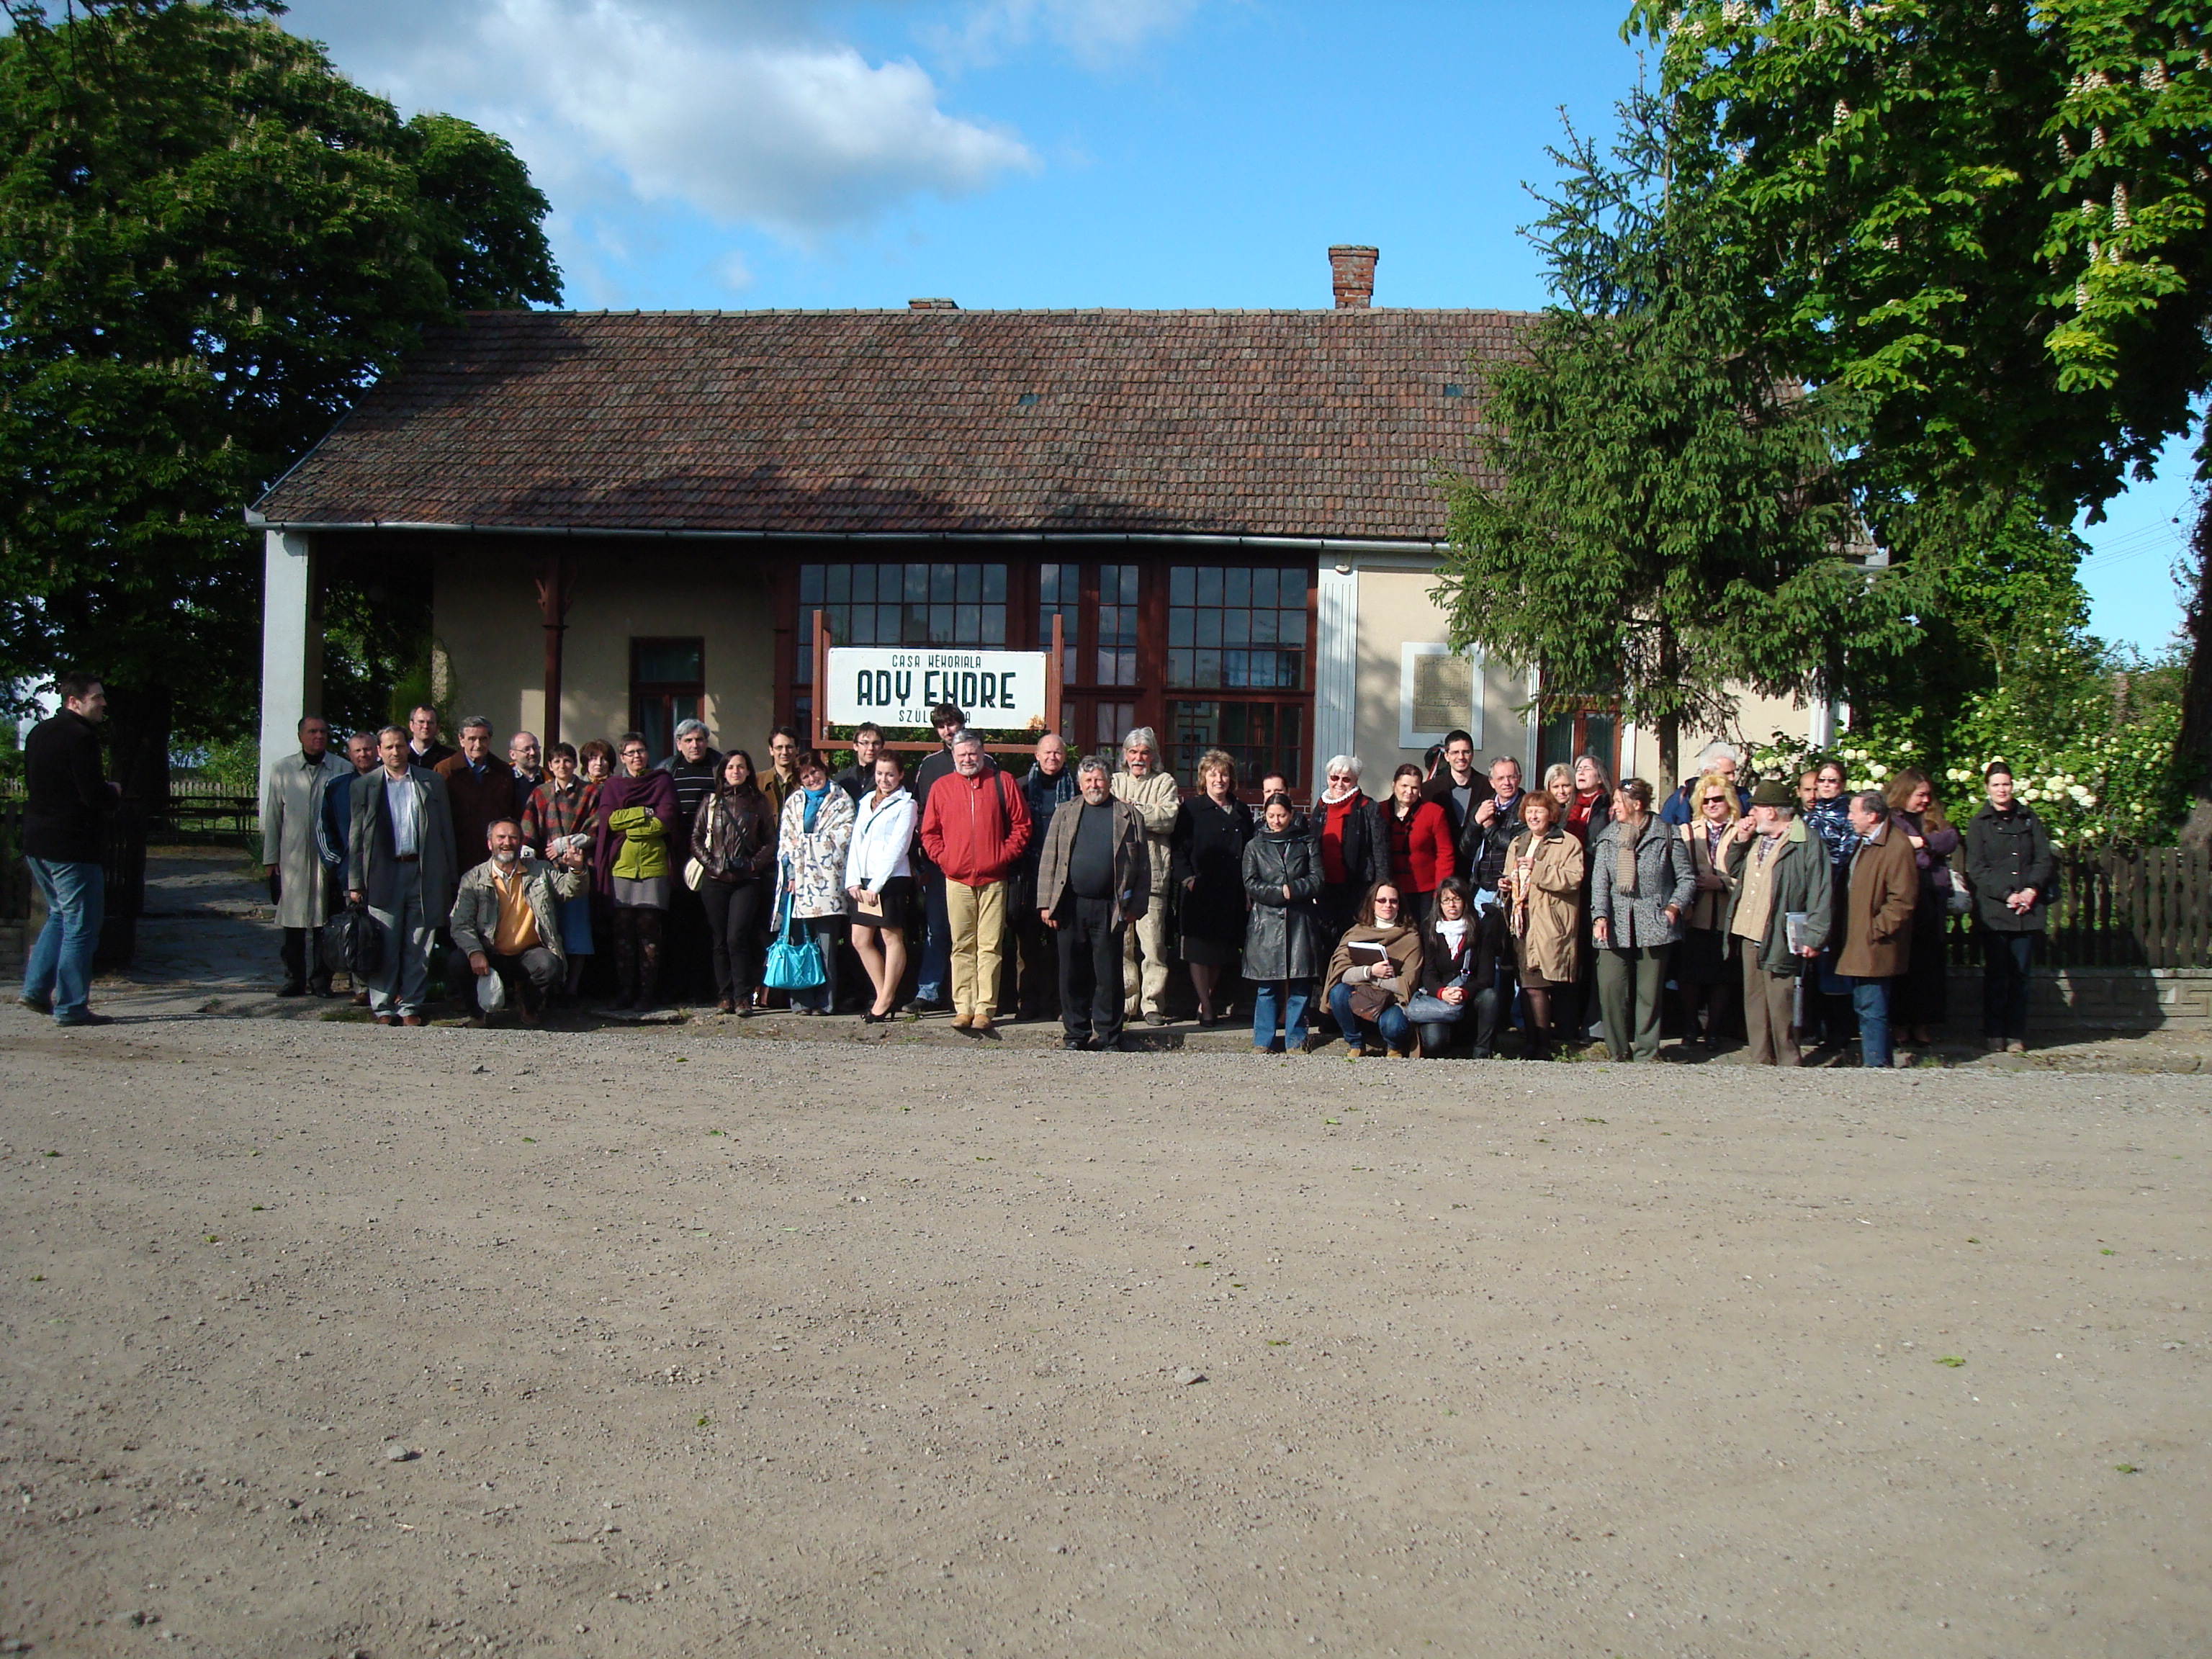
{"x":1701,"y":963}
{"x":1373,"y":976}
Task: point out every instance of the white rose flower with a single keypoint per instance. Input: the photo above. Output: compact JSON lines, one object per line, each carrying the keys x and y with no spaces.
{"x":2088,"y":800}
{"x":1877,"y":771}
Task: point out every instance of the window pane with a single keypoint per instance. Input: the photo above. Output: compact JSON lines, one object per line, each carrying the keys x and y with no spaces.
{"x":1183,"y":585}
{"x":1235,"y":628}
{"x":838,"y":588}
{"x":1263,"y":627}
{"x":995,"y":624}
{"x":1209,"y":669}
{"x":1179,"y":627}
{"x":1128,"y":584}
{"x":1209,"y":585}
{"x":1263,"y":588}
{"x":670,"y":662}
{"x":1209,"y":627}
{"x":994,"y":584}
{"x":916,"y":587}
{"x":1236,"y":587}
{"x":1293,"y":626}
{"x":864,"y":583}
{"x":862,"y":630}
{"x":1179,"y":668}
{"x":940,"y":623}
{"x":968,"y":583}
{"x":810,"y":584}
{"x":887,"y":623}
{"x":942,"y":580}
{"x":968,"y":622}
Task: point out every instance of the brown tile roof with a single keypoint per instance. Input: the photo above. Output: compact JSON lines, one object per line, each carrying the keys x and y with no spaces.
{"x":1308,"y":424}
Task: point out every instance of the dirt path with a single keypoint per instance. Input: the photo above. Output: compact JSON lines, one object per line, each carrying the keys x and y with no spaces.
{"x":717,"y":1346}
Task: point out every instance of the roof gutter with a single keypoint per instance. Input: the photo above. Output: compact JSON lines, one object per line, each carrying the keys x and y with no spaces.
{"x":1287,"y":543}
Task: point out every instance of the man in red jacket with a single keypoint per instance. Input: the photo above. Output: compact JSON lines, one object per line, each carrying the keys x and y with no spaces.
{"x":973,"y":826}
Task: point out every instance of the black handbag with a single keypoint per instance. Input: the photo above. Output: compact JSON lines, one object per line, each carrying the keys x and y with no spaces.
{"x":353,"y":943}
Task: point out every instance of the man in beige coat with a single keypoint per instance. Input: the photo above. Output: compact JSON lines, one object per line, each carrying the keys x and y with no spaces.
{"x":300,"y":882}
{"x":1151,"y":789}
{"x":1877,"y":909}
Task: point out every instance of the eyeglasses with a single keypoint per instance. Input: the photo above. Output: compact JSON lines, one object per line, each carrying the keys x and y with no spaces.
{"x":1386,"y":904}
{"x":1715,"y":801}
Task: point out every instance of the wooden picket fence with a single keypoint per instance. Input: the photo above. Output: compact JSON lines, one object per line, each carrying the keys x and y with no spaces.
{"x":2120,"y":907}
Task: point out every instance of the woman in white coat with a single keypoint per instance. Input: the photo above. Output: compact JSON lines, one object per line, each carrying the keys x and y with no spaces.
{"x":879,"y":882}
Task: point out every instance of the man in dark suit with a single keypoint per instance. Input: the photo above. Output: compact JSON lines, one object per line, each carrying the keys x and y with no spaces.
{"x":400,"y":862}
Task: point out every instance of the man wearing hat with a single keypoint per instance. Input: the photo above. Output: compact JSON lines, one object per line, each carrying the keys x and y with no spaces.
{"x":694,"y":769}
{"x":1777,"y":917}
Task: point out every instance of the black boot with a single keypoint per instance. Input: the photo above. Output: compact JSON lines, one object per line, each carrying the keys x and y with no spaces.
{"x":625,"y":954}
{"x":649,"y":928}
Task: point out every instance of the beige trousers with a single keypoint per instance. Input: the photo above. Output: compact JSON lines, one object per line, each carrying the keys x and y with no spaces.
{"x":1766,"y":1009}
{"x":1142,"y":995}
{"x":977,"y":917}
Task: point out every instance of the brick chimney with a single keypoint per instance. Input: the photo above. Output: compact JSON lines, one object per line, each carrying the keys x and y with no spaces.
{"x":932,"y":304}
{"x":1351,"y":274}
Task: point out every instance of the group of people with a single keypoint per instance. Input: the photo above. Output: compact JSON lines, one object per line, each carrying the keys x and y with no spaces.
{"x":1457,"y":906}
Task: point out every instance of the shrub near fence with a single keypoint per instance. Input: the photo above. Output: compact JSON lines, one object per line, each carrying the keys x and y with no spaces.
{"x":2120,"y":907}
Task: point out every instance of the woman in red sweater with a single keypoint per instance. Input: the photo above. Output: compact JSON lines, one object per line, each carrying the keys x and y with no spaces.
{"x":1419,"y":835}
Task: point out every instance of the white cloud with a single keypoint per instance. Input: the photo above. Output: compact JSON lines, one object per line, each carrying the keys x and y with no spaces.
{"x":1094,"y":32}
{"x":746,"y":113}
{"x":733,"y":273}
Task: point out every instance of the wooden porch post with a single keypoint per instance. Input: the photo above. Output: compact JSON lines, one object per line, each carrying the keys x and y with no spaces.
{"x":555,"y":586}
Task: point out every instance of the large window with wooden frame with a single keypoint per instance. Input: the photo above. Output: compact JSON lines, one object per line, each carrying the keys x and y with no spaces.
{"x":1099,"y":607}
{"x":1238,"y":670}
{"x":1214,"y":655}
{"x":667,"y":683}
{"x":936,"y":603}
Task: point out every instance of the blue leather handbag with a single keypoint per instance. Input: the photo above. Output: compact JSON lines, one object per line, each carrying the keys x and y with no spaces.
{"x":793,"y":965}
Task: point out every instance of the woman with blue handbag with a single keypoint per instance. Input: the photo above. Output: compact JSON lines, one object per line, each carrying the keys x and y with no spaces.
{"x":816,"y":828}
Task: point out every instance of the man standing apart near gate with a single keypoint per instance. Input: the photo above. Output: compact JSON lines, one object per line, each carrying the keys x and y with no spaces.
{"x":974,"y":827}
{"x":1093,"y":879}
{"x":1151,"y":788}
{"x":300,"y":883}
{"x":64,"y":824}
{"x":400,"y":862}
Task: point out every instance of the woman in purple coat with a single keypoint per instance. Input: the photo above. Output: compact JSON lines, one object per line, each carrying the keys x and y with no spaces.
{"x":632,"y":865}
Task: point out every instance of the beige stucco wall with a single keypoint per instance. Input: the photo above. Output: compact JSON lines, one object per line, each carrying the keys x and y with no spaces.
{"x":487,"y":624}
{"x":1395,"y":611}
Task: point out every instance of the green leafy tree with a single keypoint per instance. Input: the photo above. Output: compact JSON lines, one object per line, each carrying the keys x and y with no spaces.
{"x":1657,"y":513}
{"x":1987,"y":221}
{"x":210,"y":241}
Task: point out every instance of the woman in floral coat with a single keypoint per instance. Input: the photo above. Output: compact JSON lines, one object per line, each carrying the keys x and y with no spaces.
{"x":812,"y":834}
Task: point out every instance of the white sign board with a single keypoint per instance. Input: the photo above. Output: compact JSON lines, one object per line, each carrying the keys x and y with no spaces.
{"x":999,"y":691}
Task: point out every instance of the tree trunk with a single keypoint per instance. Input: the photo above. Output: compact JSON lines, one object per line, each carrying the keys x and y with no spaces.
{"x":1670,"y":723}
{"x":2192,"y":750}
{"x":138,"y":723}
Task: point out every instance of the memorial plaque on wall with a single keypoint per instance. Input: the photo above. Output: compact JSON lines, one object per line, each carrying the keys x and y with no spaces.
{"x":999,"y":691}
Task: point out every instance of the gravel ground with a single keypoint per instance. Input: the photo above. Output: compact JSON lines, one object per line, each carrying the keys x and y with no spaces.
{"x":323,"y":1341}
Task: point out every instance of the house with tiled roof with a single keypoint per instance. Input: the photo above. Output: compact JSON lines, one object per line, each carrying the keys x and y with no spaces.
{"x":628,"y":518}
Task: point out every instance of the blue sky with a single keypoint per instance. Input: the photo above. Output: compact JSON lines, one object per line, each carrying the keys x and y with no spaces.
{"x":1050,"y":153}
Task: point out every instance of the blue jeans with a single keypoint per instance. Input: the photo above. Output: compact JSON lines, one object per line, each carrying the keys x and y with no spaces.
{"x":929,"y":985}
{"x":1870,"y":1001}
{"x":1393,"y":1028}
{"x":60,"y":963}
{"x":1288,"y":997}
